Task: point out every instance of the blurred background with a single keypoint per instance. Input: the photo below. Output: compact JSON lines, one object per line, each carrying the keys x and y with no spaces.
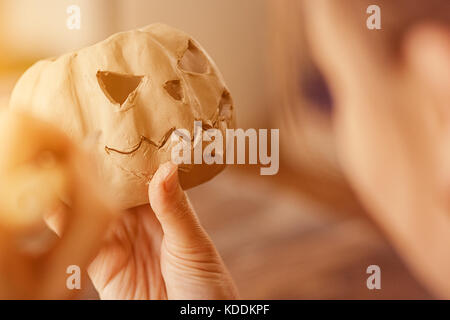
{"x":296,"y":235}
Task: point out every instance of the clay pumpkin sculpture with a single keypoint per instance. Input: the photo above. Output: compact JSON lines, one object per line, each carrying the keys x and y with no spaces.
{"x":125,"y":96}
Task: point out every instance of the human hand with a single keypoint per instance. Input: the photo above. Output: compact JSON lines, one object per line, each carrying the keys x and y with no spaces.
{"x":39,"y":166}
{"x":162,"y":253}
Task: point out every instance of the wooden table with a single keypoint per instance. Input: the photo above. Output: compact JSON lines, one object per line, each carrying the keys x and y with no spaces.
{"x":279,"y":244}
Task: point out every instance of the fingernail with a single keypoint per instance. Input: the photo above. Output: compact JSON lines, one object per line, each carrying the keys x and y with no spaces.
{"x":171,"y":178}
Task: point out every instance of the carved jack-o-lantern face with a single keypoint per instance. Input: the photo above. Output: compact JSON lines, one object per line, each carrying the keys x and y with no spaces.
{"x":125,"y":96}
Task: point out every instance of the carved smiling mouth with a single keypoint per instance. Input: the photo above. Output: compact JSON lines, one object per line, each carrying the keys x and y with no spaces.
{"x":143,"y":139}
{"x":165,"y":138}
{"x":159,"y":144}
{"x":223,"y":113}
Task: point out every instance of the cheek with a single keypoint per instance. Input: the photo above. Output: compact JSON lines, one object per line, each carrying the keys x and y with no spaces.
{"x":372,"y":152}
{"x":353,"y":149}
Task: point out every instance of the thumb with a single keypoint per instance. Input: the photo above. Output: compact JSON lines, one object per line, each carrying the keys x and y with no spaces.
{"x":172,"y":208}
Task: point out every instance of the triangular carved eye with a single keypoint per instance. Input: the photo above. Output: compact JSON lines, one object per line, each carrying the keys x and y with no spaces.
{"x":193,"y":60}
{"x":118,"y":87}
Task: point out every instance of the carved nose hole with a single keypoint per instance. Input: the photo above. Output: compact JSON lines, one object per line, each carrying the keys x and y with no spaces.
{"x":174,"y":88}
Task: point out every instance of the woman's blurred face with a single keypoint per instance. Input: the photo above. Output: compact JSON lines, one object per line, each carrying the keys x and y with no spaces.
{"x":392,"y":125}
